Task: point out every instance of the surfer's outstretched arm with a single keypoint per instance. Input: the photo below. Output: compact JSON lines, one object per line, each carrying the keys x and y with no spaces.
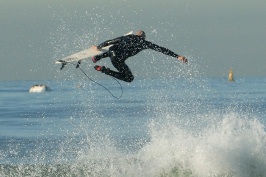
{"x":165,"y":51}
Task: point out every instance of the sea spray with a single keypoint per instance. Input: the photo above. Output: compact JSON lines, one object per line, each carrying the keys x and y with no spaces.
{"x":167,"y":133}
{"x":233,"y":146}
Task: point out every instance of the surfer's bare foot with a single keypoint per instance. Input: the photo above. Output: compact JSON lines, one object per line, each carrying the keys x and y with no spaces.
{"x":93,"y":59}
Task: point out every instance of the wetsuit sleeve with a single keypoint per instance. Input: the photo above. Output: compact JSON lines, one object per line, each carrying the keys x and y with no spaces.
{"x":163,"y":50}
{"x":109,"y":42}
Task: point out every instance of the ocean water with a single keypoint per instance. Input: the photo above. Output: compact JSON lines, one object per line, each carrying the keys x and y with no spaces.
{"x":175,"y":127}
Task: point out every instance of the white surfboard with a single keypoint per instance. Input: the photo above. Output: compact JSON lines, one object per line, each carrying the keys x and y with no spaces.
{"x":85,"y":54}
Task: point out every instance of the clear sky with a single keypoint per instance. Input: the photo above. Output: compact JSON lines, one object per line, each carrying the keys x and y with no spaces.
{"x":216,"y":35}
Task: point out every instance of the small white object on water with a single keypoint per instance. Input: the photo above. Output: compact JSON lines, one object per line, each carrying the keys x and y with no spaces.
{"x":39,"y":89}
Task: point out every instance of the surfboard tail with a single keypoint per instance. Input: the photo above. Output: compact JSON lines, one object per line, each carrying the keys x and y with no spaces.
{"x":62,"y":62}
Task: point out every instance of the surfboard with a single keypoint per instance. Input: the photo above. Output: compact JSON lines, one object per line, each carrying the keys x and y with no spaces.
{"x":85,"y":54}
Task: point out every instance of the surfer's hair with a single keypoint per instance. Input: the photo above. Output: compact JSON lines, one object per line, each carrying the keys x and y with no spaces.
{"x":141,"y":33}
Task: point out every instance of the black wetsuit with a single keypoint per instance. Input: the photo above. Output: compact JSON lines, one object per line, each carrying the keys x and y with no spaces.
{"x":123,"y":48}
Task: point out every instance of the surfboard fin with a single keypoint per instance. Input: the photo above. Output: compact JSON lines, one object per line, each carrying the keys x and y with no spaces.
{"x":78,"y":63}
{"x":63,"y":65}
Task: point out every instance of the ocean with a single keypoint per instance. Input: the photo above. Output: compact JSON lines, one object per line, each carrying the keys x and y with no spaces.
{"x":160,"y":127}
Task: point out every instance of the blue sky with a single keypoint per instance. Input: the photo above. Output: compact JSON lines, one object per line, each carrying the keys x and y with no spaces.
{"x":215,"y":35}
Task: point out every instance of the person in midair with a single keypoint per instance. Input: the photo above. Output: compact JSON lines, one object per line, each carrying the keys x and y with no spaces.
{"x":125,"y":47}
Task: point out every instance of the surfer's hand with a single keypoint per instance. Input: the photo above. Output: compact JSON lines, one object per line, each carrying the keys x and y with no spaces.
{"x":182,"y":58}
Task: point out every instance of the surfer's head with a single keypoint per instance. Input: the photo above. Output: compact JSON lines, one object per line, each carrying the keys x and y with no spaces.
{"x":141,"y":33}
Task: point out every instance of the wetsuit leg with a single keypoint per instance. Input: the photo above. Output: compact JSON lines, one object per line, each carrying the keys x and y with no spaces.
{"x":124,"y":73}
{"x":103,"y":55}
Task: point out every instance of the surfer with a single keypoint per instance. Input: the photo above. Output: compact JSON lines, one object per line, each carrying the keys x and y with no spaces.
{"x":125,"y":47}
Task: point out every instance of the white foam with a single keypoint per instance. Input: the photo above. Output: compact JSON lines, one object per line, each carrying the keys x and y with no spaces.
{"x":233,"y":146}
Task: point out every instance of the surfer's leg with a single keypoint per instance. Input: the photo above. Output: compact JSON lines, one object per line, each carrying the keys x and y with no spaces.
{"x":124,"y":73}
{"x":99,"y":57}
{"x":118,"y":61}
